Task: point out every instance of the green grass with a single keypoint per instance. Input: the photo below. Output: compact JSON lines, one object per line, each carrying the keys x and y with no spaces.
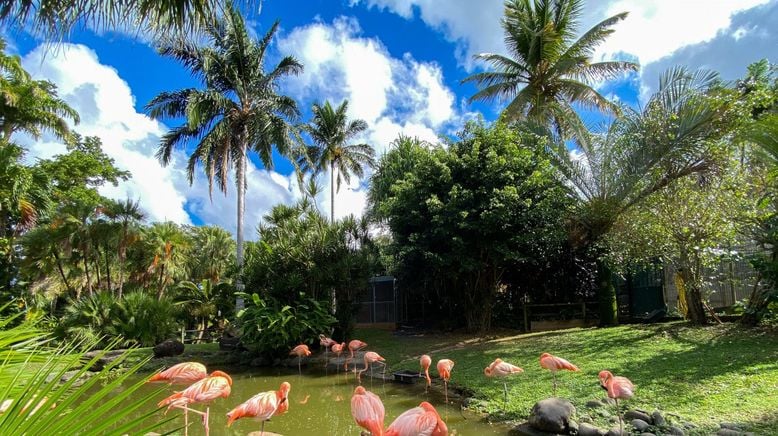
{"x":705,"y":375}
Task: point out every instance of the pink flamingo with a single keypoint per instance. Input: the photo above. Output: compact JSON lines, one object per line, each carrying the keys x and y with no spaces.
{"x":216,"y":385}
{"x":262,"y":406}
{"x":300,"y":351}
{"x":353,"y":346}
{"x":326,"y":343}
{"x":370,"y":358}
{"x":444,"y":370}
{"x":501,"y":369}
{"x":368,"y":411}
{"x":337,"y":349}
{"x":555,"y":364}
{"x":617,"y":388}
{"x":422,"y":420}
{"x":425,"y":363}
{"x":186,"y":372}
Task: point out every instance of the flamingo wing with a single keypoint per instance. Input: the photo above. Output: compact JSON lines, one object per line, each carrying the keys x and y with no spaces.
{"x":413,"y":422}
{"x":368,"y":412}
{"x":211,"y":389}
{"x":186,"y":372}
{"x":621,"y":387}
{"x":261,"y":406}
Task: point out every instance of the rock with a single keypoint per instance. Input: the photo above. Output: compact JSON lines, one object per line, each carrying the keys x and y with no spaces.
{"x":730,"y":426}
{"x":589,"y":430}
{"x":689,"y":425}
{"x":586,"y":419}
{"x":594,"y":404}
{"x":168,"y":348}
{"x":658,"y":419}
{"x":526,"y":429}
{"x":637,"y":414}
{"x":552,"y":415}
{"x":104,"y":359}
{"x":677,"y":431}
{"x":572,"y":427}
{"x":608,"y":401}
{"x":615,"y":432}
{"x":259,"y":361}
{"x":640,"y":425}
{"x":647,"y":434}
{"x":730,"y":432}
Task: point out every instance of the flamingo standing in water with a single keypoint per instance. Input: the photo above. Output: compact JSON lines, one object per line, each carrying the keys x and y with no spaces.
{"x":353,"y":346}
{"x":444,"y":370}
{"x":262,"y":406}
{"x":617,"y":388}
{"x":555,"y":364}
{"x":501,"y":369}
{"x":422,"y":420}
{"x":368,"y":411}
{"x":216,"y":385}
{"x":326,"y":343}
{"x":300,"y":351}
{"x":337,"y":349}
{"x":425,"y":363}
{"x":370,"y":358}
{"x":186,"y":372}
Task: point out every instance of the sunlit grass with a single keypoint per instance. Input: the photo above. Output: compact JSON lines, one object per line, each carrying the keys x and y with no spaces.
{"x":705,"y":375}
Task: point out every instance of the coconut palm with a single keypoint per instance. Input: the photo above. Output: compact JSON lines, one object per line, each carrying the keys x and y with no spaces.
{"x":547,"y":70}
{"x":240,"y":109}
{"x":640,"y":153}
{"x":128,"y":215}
{"x":330,"y":131}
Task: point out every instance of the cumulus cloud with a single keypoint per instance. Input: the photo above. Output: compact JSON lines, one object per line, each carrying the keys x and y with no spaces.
{"x":393,"y":95}
{"x":107,"y":108}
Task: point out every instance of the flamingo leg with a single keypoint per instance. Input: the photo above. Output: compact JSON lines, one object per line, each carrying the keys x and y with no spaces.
{"x":554,"y":374}
{"x":262,"y":429}
{"x":445,"y":389}
{"x":618,"y":413}
{"x":205,"y":418}
{"x":505,"y":386}
{"x":299,"y":361}
{"x":186,"y":422}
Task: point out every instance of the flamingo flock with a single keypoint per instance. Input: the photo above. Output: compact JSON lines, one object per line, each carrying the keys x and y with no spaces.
{"x":367,"y":409}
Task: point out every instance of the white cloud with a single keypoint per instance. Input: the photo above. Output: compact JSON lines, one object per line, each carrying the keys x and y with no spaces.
{"x":107,"y":108}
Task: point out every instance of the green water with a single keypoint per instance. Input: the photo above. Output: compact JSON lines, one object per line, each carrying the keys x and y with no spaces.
{"x":319,"y":404}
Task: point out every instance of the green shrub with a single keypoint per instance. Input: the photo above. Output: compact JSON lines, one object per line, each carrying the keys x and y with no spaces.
{"x":271,"y":328}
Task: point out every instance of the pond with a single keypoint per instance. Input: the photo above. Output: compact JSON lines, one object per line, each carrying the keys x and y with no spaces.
{"x":319,"y":404}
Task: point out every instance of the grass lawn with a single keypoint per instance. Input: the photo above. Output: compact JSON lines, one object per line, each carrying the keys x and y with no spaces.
{"x":708,"y":375}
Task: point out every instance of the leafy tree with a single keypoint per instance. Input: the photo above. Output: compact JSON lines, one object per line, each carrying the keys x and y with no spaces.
{"x":167,"y":248}
{"x":212,"y":255}
{"x":461,"y":217}
{"x":330,"y":131}
{"x":239,"y":110}
{"x":204,"y":301}
{"x":127,"y":215}
{"x":547,"y":69}
{"x":675,"y":135}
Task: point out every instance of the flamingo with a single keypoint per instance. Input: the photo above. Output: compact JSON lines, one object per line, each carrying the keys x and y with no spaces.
{"x":444,"y":370}
{"x":425,"y":363}
{"x":617,"y":388}
{"x":300,"y":351}
{"x":368,"y":411}
{"x":262,"y":406}
{"x":216,"y":385}
{"x":338,"y":349}
{"x":501,"y":369}
{"x":186,"y":372}
{"x":422,"y":420}
{"x":326,"y":343}
{"x":555,"y":364}
{"x":370,"y":358}
{"x":353,"y":346}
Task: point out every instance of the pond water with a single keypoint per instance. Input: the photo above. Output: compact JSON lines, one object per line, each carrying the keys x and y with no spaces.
{"x":319,"y":404}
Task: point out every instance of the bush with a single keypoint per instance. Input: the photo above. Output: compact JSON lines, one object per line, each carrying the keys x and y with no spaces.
{"x":136,"y":319}
{"x":271,"y":328}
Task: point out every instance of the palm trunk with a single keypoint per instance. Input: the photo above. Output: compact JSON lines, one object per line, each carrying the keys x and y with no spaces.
{"x":61,"y":270}
{"x":241,"y":185}
{"x":121,"y":275}
{"x":88,"y":278}
{"x":332,"y":192}
{"x":609,"y":309}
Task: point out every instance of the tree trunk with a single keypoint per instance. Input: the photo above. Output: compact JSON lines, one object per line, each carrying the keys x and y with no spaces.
{"x":606,"y":292}
{"x":62,"y":271}
{"x":122,"y":258}
{"x":241,"y":185}
{"x":161,"y":286}
{"x":332,"y":192}
{"x":694,"y":304}
{"x":88,"y":278}
{"x":107,"y":272}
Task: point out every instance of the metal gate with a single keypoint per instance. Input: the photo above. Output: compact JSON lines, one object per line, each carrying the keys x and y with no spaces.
{"x":378,"y":304}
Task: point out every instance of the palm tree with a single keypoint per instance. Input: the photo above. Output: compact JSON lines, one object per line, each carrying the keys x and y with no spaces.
{"x":640,"y":153}
{"x":547,"y":69}
{"x":167,"y":248}
{"x":213,"y":253}
{"x":128,"y":215}
{"x":330,"y":131}
{"x":239,"y":110}
{"x":203,"y":301}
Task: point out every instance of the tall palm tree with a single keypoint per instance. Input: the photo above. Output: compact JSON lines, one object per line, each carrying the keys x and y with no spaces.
{"x":127,"y":214}
{"x":239,"y":110}
{"x":213,"y":253}
{"x":547,"y":70}
{"x":641,"y":152}
{"x":330,"y":130}
{"x":167,"y":248}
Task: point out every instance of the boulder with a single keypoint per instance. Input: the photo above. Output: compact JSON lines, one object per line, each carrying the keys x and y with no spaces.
{"x":637,"y":414}
{"x":676,"y":431}
{"x":594,"y":404}
{"x":615,"y":432}
{"x":589,"y":430}
{"x":730,"y":432}
{"x":552,"y":415}
{"x":730,"y":426}
{"x":168,"y":348}
{"x":658,"y":419}
{"x":526,"y":429}
{"x":640,"y":425}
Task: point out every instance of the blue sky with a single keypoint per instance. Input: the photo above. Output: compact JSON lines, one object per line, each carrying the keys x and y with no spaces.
{"x":399,"y":62}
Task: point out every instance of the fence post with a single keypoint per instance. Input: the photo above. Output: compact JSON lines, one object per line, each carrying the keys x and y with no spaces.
{"x":526,"y":319}
{"x":583,"y":309}
{"x":182,"y":334}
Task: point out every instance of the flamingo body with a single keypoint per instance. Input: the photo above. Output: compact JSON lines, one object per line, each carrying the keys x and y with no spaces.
{"x":353,"y":346}
{"x":186,"y":372}
{"x":553,"y":363}
{"x":498,"y":368}
{"x":300,"y":351}
{"x":419,"y":421}
{"x":444,"y":368}
{"x":263,"y":405}
{"x":217,"y":385}
{"x":368,"y":411}
{"x":618,"y":388}
{"x":370,"y":357}
{"x":326,"y":342}
{"x":426,"y":361}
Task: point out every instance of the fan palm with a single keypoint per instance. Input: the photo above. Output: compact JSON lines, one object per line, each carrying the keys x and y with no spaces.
{"x":330,"y":131}
{"x":213,"y":253}
{"x":128,"y":215}
{"x":167,"y":248}
{"x":239,"y":110}
{"x":640,"y":153}
{"x":547,"y":69}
